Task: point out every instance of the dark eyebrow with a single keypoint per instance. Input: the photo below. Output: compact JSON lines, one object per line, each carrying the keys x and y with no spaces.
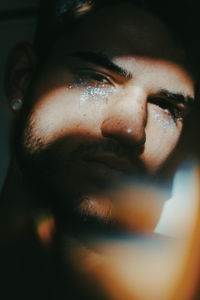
{"x":179,"y":98}
{"x":104,"y":61}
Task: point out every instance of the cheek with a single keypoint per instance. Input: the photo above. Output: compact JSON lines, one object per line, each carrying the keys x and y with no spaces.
{"x":162,"y":135}
{"x":63,"y":112}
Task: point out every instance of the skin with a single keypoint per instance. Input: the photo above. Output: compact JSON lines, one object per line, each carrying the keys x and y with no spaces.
{"x":61,"y":122}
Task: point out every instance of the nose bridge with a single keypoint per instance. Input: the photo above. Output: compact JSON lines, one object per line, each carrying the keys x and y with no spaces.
{"x":126,"y":117}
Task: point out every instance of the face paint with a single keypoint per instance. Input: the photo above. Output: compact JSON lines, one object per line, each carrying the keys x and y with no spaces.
{"x":93,"y":92}
{"x":165,"y":123}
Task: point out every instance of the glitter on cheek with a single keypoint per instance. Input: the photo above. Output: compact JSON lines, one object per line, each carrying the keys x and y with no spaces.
{"x":96,"y":92}
{"x":165,"y":123}
{"x":92,"y":92}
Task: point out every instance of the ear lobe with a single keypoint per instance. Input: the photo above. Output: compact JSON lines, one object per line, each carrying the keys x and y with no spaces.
{"x":19,"y":71}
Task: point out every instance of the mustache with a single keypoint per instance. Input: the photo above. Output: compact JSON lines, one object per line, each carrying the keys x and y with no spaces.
{"x":88,"y":149}
{"x":99,"y":147}
{"x":72,"y":150}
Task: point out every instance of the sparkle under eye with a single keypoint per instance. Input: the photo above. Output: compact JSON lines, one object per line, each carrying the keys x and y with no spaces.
{"x":170,"y":108}
{"x":94,"y":85}
{"x":96,"y":92}
{"x":166,"y":124}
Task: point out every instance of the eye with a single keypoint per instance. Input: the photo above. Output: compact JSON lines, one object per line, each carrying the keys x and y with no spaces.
{"x":92,"y":77}
{"x":171,"y":108}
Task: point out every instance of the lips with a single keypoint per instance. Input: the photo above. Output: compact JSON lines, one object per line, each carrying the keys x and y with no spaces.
{"x":112,"y":163}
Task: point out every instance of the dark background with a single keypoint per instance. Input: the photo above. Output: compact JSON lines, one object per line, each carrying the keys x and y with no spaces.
{"x":17,"y":22}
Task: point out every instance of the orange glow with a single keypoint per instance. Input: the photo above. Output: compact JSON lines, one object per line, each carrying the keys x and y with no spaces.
{"x":45,"y":229}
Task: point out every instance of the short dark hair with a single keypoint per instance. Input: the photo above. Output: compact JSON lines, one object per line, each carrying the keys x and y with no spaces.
{"x":56,"y":17}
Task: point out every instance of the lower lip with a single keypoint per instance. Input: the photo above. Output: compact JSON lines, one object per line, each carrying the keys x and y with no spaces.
{"x":102,"y":172}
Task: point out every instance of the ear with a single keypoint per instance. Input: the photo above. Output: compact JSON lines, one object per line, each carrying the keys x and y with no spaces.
{"x":19,"y":71}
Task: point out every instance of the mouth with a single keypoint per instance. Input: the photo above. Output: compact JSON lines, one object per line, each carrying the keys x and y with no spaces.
{"x":109,"y":169}
{"x":113,"y":162}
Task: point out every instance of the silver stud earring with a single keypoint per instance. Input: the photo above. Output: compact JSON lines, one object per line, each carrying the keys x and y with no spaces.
{"x":16,"y":104}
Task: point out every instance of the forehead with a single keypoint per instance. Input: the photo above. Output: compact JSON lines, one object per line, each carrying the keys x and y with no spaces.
{"x":125,"y":32}
{"x":124,"y":29}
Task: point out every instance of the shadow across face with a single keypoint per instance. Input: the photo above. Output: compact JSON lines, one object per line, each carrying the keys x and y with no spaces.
{"x":93,"y":185}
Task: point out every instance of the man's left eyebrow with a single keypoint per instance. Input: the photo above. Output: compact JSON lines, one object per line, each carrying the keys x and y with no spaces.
{"x":178,"y":97}
{"x":104,"y":61}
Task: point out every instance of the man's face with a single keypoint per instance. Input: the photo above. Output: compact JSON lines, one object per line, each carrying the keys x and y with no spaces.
{"x":106,"y":109}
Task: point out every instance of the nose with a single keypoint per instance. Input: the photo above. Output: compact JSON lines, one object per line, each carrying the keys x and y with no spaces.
{"x":126,"y":118}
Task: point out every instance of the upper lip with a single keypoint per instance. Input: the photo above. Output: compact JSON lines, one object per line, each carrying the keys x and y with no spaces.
{"x":114,"y":162}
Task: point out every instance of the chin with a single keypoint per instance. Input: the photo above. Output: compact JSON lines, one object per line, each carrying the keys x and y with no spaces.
{"x":96,"y":206}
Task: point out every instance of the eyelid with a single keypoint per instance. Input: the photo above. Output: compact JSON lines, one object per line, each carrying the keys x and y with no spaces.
{"x":91,"y":71}
{"x":163,"y":98}
{"x":182,"y":109}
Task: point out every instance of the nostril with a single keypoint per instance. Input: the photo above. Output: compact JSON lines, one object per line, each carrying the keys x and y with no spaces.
{"x":139,"y":149}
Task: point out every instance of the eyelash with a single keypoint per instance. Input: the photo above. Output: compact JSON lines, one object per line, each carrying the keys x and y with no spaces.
{"x":176,"y":111}
{"x":88,"y":76}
